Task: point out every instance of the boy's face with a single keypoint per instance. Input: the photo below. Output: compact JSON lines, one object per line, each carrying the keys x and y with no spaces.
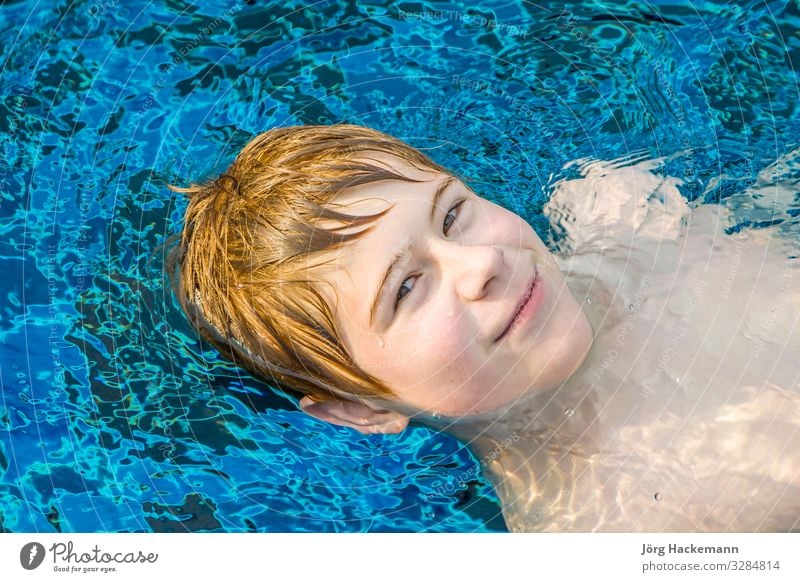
{"x":459,"y":288}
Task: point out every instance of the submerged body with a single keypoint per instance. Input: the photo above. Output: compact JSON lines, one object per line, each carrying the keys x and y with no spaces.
{"x":685,"y":416}
{"x":645,"y":378}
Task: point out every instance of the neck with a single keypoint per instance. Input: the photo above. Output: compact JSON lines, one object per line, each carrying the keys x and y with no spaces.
{"x":565,"y":417}
{"x":567,"y":407}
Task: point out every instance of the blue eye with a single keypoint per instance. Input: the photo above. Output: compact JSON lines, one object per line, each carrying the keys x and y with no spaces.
{"x":446,"y":230}
{"x":403,"y":287}
{"x":452,"y":213}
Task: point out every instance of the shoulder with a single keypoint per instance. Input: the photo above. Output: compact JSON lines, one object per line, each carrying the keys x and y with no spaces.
{"x":617,"y":202}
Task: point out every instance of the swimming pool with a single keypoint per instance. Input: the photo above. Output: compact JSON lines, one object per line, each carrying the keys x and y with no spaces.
{"x":113,"y":416}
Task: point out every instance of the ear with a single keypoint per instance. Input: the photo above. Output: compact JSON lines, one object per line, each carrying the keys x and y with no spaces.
{"x":356,"y":415}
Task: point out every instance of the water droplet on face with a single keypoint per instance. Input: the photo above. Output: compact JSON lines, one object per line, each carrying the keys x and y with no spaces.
{"x":436,"y":416}
{"x":380,"y":342}
{"x":569,"y":412}
{"x":658,"y":496}
{"x":588,"y":300}
{"x":631,"y":308}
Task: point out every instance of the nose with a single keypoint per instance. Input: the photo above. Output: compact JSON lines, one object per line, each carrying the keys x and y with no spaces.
{"x":469,"y":269}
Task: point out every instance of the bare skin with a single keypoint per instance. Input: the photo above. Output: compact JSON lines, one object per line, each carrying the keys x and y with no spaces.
{"x":438,"y":349}
{"x":686,"y":414}
{"x":673,"y":404}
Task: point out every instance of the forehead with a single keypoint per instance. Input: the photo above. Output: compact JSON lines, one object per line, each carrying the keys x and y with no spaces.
{"x":352,"y":266}
{"x":390,"y":162}
{"x":379,"y":196}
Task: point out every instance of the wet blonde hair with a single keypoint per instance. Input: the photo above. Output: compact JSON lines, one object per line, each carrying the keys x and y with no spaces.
{"x":241,"y":268}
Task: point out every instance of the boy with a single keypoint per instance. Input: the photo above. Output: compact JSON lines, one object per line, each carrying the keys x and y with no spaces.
{"x":348,"y":266}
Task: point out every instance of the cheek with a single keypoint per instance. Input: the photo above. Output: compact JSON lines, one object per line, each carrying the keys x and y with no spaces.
{"x":444,"y":378}
{"x":507,"y":228}
{"x":438,"y":348}
{"x":437,"y":364}
{"x":512,"y":225}
{"x":428,"y":349}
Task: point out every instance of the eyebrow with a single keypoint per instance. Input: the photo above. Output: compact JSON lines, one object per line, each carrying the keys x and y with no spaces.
{"x":437,"y":196}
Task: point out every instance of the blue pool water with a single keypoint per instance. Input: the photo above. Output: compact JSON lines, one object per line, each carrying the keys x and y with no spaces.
{"x":113,"y":416}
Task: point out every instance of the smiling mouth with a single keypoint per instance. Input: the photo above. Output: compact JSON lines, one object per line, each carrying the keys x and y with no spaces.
{"x":523,"y":302}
